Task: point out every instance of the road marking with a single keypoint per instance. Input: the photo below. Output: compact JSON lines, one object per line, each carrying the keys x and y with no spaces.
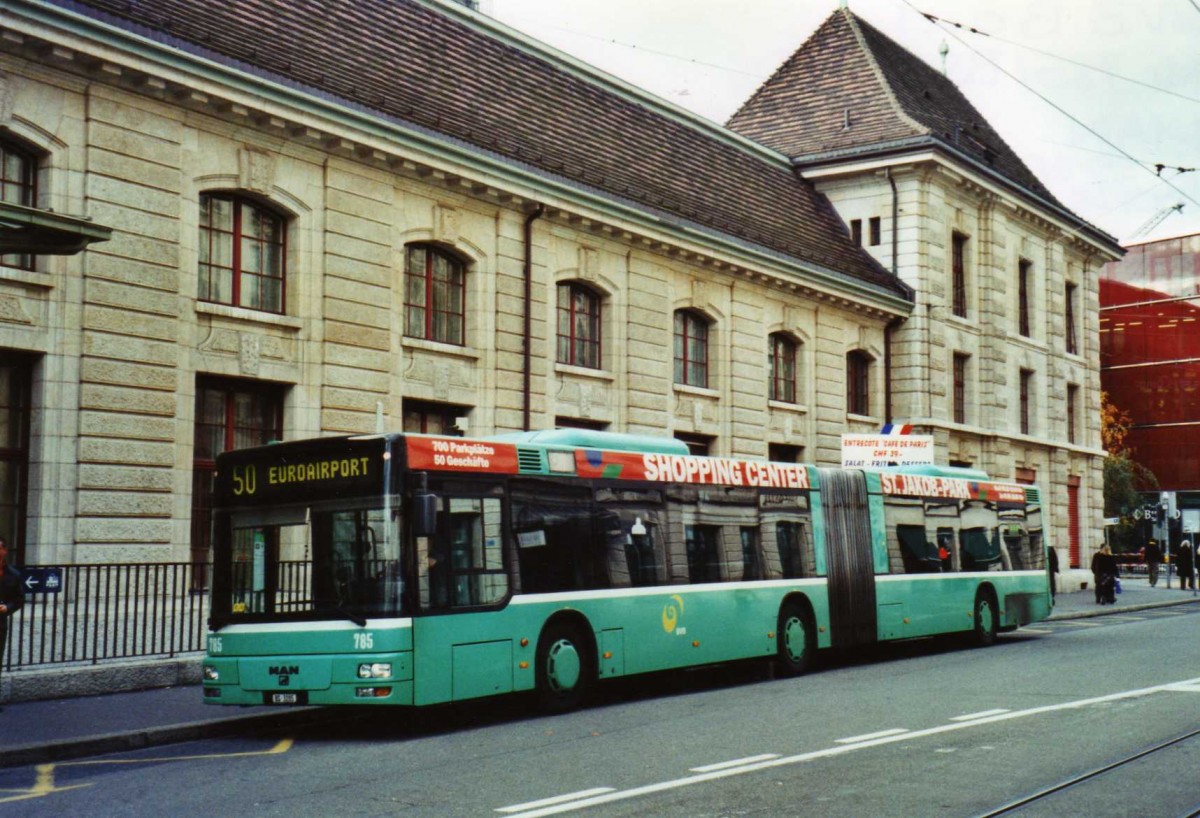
{"x":45,"y":772}
{"x":1126,"y":618}
{"x":725,"y":765}
{"x":558,"y":799}
{"x":829,"y":752}
{"x":1074,"y":623}
{"x":895,"y":731}
{"x":982,"y":715}
{"x":1185,"y":688}
{"x":1039,"y":631}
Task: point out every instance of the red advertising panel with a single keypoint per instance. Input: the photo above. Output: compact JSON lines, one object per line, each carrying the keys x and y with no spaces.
{"x":919,"y":485}
{"x":674,"y":468}
{"x":458,"y":454}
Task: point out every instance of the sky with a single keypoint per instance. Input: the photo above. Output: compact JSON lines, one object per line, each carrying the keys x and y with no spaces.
{"x":1091,"y":94}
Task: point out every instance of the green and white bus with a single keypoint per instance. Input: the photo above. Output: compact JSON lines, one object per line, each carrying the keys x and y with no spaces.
{"x":413,"y":570}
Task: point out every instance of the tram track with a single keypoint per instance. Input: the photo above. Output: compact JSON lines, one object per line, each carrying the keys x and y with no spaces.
{"x":1045,"y":796}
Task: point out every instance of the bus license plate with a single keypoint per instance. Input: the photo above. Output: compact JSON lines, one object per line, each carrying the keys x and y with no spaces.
{"x":284,"y":698}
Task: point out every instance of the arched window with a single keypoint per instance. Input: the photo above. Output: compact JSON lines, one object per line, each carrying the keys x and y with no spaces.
{"x":691,"y":348}
{"x":578,"y":326}
{"x":782,"y":361}
{"x":18,"y":175}
{"x":435,"y":295}
{"x":858,"y":394}
{"x":241,"y":253}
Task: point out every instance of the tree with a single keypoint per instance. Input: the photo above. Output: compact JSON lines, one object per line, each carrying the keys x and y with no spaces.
{"x":1124,"y":478}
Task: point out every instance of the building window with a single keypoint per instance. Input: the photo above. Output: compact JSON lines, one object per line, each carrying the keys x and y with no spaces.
{"x":1024,"y":270}
{"x":1072,"y":412}
{"x":960,"y":387}
{"x":1070,"y":338}
{"x":856,"y":232}
{"x":1026,"y":399}
{"x":699,"y":445}
{"x":785,"y":453}
{"x":782,"y":361}
{"x":16,"y":378}
{"x":691,"y":348}
{"x":435,"y":289}
{"x":229,"y":415}
{"x":241,"y":253}
{"x":959,"y":274}
{"x":18,"y":175}
{"x":876,"y":231}
{"x":858,"y":396}
{"x":431,"y":418}
{"x":578,"y":326}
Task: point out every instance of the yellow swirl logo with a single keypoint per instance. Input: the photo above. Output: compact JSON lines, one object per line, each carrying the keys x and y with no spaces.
{"x":671,"y":613}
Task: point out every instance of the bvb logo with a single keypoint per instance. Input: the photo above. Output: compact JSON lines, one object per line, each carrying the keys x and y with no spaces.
{"x":671,"y":613}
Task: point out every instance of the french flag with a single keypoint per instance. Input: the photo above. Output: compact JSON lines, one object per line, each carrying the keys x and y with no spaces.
{"x":896,"y":429}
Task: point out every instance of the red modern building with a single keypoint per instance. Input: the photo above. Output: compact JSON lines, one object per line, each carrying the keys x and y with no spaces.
{"x":1150,"y":367}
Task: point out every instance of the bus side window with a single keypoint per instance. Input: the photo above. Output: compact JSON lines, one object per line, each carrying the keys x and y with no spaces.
{"x":703,"y":552}
{"x":790,"y":542}
{"x":462,"y":565}
{"x":554,"y":535}
{"x":945,"y":543}
{"x":920,"y":556}
{"x":752,"y":560}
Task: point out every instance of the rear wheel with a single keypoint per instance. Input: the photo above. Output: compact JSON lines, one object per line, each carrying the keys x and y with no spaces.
{"x":565,"y":668}
{"x":795,"y":640}
{"x":987,"y":619}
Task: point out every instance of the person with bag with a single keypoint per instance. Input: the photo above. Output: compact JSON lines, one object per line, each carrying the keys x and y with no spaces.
{"x":1153,"y":558}
{"x":1104,"y":575}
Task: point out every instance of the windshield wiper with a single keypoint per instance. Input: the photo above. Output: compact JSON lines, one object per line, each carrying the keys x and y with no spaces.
{"x":353,"y":617}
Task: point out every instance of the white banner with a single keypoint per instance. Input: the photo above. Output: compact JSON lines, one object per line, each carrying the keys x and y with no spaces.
{"x":886,"y":450}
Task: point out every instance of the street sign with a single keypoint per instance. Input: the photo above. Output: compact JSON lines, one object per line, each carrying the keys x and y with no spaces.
{"x":42,"y":580}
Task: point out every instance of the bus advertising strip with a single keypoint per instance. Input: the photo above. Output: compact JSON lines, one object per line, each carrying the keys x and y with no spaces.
{"x":918,"y":485}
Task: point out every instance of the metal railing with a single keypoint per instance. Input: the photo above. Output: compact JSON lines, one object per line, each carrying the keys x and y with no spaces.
{"x":113,"y":611}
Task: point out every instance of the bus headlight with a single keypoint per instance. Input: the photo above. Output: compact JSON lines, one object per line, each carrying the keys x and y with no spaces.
{"x":375,"y":670}
{"x":211,"y":674}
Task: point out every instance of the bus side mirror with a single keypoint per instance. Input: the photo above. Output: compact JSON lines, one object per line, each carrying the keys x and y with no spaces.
{"x":424,"y":515}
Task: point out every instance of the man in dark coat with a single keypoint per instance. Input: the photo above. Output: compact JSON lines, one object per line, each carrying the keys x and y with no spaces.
{"x":1153,"y":558}
{"x":1186,"y":578}
{"x":12,"y":595}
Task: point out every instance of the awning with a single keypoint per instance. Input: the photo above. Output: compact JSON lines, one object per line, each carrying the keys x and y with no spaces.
{"x":44,"y":232}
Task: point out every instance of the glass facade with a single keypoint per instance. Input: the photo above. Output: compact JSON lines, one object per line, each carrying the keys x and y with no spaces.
{"x":1150,"y":354}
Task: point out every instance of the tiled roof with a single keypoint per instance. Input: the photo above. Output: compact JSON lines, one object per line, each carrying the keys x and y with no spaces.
{"x":412,"y":62}
{"x":849,"y":86}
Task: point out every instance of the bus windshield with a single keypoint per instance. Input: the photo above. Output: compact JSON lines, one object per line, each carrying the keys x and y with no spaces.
{"x":306,"y":561}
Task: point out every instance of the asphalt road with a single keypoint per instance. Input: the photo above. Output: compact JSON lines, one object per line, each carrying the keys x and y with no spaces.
{"x":919,"y":729}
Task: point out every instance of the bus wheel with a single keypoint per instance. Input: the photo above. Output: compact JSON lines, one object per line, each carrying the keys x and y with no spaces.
{"x":795,"y":639}
{"x":564,"y":668}
{"x":986,"y":619}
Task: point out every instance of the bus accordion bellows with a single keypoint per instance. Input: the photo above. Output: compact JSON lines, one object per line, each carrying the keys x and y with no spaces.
{"x":413,"y":570}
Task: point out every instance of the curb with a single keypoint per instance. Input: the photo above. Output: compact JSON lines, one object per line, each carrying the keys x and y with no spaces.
{"x":1141,"y":606}
{"x":67,"y":749}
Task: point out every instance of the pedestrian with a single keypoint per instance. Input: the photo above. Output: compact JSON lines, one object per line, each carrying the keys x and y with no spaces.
{"x":1153,"y":558}
{"x":1186,"y":578}
{"x":1104,"y":575}
{"x":1053,"y":573}
{"x":12,"y":595}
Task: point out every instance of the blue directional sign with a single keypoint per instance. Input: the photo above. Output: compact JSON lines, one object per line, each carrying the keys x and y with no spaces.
{"x":42,"y":580}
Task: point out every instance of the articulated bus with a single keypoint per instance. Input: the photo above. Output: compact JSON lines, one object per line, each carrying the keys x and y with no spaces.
{"x":413,"y":570}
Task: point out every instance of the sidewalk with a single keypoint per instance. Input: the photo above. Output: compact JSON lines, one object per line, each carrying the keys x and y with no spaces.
{"x":38,"y":732}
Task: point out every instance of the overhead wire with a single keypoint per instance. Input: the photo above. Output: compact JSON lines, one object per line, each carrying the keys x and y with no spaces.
{"x":937,"y":22}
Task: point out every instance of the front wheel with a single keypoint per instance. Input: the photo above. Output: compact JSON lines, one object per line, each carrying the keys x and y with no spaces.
{"x":564,"y":668}
{"x":986,"y":619}
{"x":795,"y":640}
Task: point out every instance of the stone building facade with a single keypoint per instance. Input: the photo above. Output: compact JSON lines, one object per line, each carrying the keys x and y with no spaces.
{"x":423,"y":220}
{"x":999,"y":359}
